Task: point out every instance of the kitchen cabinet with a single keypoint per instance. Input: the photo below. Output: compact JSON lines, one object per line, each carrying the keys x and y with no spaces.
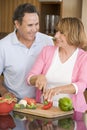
{"x":54,"y":8}
{"x":50,"y":12}
{"x":7,"y":8}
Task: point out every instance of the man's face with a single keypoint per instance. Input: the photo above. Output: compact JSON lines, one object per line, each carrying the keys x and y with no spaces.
{"x":29,"y":26}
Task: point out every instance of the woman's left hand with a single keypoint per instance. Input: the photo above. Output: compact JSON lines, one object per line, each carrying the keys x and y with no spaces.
{"x":49,"y":93}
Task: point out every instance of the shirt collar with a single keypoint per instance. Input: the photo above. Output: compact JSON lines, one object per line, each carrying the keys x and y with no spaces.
{"x":14,"y":38}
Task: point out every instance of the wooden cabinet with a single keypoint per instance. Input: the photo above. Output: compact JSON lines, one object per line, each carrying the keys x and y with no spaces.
{"x":7,"y":8}
{"x":50,"y":12}
{"x":50,"y":8}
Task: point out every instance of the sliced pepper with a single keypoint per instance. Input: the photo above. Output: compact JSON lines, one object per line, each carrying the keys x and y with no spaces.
{"x":47,"y":105}
{"x":33,"y":106}
{"x":45,"y":102}
{"x":19,"y":106}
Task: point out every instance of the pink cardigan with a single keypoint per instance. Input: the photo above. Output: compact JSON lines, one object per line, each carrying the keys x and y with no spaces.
{"x":79,"y":76}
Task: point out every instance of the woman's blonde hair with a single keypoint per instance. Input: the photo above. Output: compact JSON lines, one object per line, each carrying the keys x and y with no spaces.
{"x":73,"y":29}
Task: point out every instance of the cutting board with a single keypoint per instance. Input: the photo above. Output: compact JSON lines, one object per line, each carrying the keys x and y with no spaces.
{"x":53,"y":112}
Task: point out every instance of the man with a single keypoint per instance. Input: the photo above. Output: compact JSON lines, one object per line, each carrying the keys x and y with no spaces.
{"x":19,"y":50}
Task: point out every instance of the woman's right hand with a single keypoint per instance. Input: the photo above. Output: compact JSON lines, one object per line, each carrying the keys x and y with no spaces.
{"x":41,"y":82}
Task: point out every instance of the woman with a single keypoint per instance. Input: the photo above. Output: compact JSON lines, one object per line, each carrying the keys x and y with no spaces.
{"x":61,"y":70}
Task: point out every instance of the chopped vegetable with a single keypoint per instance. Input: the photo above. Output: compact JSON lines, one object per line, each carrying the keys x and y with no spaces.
{"x":30,"y":100}
{"x":19,"y":106}
{"x":9,"y":99}
{"x":28,"y":103}
{"x":33,"y":106}
{"x":45,"y":102}
{"x":47,"y":105}
{"x":23,"y":102}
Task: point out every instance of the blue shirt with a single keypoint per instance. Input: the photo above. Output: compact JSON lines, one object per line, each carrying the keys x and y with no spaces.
{"x":16,"y":61}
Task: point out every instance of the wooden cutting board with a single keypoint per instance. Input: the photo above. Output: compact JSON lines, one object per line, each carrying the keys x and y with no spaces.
{"x":50,"y":113}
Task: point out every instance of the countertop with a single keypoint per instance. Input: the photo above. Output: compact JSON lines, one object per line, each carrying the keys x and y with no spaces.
{"x":19,"y":121}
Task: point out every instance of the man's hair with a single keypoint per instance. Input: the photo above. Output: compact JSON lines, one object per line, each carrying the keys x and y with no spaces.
{"x":22,"y":9}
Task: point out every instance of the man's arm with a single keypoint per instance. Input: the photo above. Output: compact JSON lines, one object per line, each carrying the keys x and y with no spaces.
{"x":3,"y":90}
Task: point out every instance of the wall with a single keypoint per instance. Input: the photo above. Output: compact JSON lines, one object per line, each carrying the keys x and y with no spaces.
{"x":72,"y":8}
{"x":84,"y":14}
{"x":7,"y":7}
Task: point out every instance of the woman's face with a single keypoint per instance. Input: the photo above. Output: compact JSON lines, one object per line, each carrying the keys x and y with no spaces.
{"x":60,"y":39}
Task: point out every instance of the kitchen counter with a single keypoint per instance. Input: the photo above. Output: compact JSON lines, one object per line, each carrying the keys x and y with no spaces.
{"x":19,"y":121}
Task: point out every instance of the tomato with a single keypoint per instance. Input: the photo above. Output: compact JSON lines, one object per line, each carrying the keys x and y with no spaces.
{"x":30,"y":101}
{"x":47,"y":105}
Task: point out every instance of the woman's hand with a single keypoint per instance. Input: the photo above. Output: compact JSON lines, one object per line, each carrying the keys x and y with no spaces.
{"x":66,"y":89}
{"x":41,"y":82}
{"x":49,"y":93}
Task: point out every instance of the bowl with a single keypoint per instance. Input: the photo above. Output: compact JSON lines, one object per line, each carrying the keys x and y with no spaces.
{"x":6,"y":105}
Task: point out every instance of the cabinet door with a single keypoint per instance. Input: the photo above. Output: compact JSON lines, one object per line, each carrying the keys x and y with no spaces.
{"x":50,"y":12}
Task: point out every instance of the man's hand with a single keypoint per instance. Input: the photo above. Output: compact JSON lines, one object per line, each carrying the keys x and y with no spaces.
{"x":3,"y":90}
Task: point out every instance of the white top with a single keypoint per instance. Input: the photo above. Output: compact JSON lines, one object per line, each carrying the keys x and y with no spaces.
{"x":60,"y":74}
{"x":16,"y":61}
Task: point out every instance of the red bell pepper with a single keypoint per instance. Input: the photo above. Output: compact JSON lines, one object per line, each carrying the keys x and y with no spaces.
{"x":47,"y":105}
